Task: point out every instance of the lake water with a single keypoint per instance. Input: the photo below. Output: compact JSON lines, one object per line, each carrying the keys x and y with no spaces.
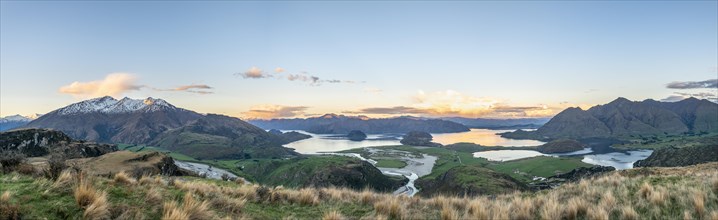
{"x":332,"y":142}
{"x":483,"y":137}
{"x":506,"y":155}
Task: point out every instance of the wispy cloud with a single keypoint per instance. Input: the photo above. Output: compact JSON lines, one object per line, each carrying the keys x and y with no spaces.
{"x":274,"y":111}
{"x":116,"y":84}
{"x":257,"y":73}
{"x":711,"y":83}
{"x":678,"y":96}
{"x":193,"y":88}
{"x":373,"y":90}
{"x":453,"y":103}
{"x":253,"y":73}
{"x":113,"y":84}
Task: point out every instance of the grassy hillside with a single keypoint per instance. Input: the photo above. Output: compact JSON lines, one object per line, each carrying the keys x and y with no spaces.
{"x":660,"y":193}
{"x":543,"y":166}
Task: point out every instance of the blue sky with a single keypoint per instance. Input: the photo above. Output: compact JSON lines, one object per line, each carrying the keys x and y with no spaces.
{"x":425,"y":58}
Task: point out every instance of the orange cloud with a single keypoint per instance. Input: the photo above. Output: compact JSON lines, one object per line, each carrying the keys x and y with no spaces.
{"x":273,"y":111}
{"x":113,"y":84}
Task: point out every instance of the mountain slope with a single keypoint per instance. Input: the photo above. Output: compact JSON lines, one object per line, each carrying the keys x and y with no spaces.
{"x":41,"y":142}
{"x":228,"y":137}
{"x":340,"y":124}
{"x":106,"y":119}
{"x":15,"y":121}
{"x":622,"y":118}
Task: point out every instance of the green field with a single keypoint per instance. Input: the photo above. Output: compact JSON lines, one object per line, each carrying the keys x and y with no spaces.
{"x":542,"y":166}
{"x":679,"y":141}
{"x":389,"y":163}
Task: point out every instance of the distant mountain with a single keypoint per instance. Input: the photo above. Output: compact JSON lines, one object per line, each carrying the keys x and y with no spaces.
{"x":341,"y":124}
{"x":623,"y":118}
{"x":157,"y":122}
{"x":490,"y":123}
{"x":15,"y":121}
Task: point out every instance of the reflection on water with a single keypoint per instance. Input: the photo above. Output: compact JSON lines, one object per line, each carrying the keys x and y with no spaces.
{"x":506,"y":155}
{"x":619,"y":160}
{"x":332,"y":142}
{"x":484,"y":137}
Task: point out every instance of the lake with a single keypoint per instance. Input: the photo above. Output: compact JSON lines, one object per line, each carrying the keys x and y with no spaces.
{"x":483,"y":137}
{"x":332,"y":143}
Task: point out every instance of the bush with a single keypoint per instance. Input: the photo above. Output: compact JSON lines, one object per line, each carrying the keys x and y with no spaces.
{"x":56,"y":164}
{"x":9,"y":160}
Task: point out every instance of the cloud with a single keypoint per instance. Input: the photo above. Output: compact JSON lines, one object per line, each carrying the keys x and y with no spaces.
{"x":257,"y":73}
{"x":451,"y":103}
{"x":113,"y":84}
{"x":373,"y":90}
{"x":274,"y":111}
{"x":253,"y":73}
{"x":711,"y":83}
{"x":678,"y":96}
{"x":396,"y":110}
{"x":194,"y":88}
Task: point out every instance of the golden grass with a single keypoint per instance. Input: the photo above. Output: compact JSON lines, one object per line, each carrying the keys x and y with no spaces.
{"x":123,"y":178}
{"x":699,"y":204}
{"x":448,"y":213}
{"x":98,"y":209}
{"x":8,"y":210}
{"x":333,"y":215}
{"x":172,"y":212}
{"x":5,"y":197}
{"x":628,"y":213}
{"x":92,"y":200}
{"x":306,"y":196}
{"x":477,"y":210}
{"x":391,"y":207}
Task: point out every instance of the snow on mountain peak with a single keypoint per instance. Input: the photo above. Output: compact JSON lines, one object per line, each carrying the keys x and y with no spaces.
{"x":14,"y":118}
{"x":109,"y":105}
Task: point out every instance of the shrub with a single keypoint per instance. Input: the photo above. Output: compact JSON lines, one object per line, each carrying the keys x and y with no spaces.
{"x":9,"y":160}
{"x":55,"y":166}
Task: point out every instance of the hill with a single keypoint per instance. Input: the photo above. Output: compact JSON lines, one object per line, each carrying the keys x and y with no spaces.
{"x":655,"y":193}
{"x":42,"y":142}
{"x":622,"y":119}
{"x":15,"y":121}
{"x":491,"y":123}
{"x":341,"y":124}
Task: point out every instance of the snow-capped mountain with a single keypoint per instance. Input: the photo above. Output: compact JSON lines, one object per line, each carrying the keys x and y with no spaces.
{"x":109,"y":105}
{"x":106,"y":119}
{"x":15,"y":118}
{"x":14,"y":121}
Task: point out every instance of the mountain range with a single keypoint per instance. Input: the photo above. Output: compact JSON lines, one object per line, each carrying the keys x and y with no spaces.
{"x":14,"y":121}
{"x":342,"y":124}
{"x":157,"y":122}
{"x":495,"y":123}
{"x":623,"y":118}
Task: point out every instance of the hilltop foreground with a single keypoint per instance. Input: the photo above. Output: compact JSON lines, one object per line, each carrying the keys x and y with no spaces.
{"x":656,"y":193}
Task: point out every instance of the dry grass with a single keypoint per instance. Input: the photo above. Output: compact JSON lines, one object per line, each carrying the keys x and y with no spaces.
{"x":391,"y":207}
{"x":8,"y":210}
{"x":477,"y":210}
{"x":123,"y":178}
{"x":306,"y":196}
{"x":172,"y":212}
{"x":448,"y":213}
{"x":92,"y":200}
{"x":699,"y":204}
{"x":628,"y":213}
{"x":333,"y":215}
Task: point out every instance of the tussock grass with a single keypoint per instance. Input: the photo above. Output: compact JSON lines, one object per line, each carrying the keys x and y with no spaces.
{"x":654,"y":193}
{"x":8,"y":210}
{"x":123,"y":178}
{"x":333,"y":215}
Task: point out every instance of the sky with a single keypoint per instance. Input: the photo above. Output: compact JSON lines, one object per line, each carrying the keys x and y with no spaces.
{"x":300,"y":59}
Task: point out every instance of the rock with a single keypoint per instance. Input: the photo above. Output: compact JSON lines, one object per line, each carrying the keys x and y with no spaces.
{"x":419,"y":138}
{"x":561,"y":146}
{"x":583,"y":172}
{"x":356,"y":135}
{"x":41,"y":142}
